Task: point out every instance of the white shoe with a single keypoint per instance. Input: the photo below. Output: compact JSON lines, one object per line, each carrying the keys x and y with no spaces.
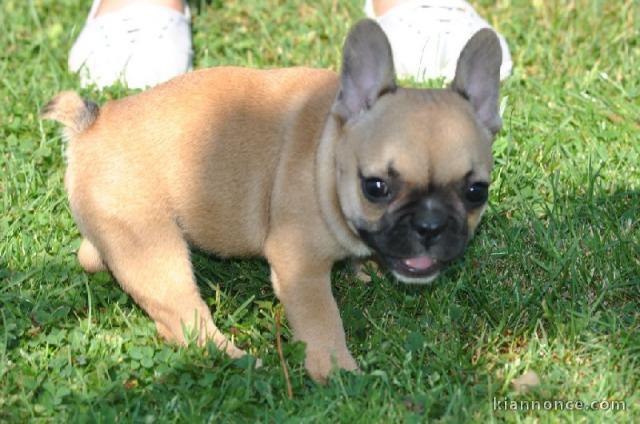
{"x":427,"y":36}
{"x":140,"y":45}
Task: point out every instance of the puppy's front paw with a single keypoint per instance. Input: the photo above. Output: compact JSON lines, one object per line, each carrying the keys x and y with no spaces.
{"x":364,"y":269}
{"x":320,"y":362}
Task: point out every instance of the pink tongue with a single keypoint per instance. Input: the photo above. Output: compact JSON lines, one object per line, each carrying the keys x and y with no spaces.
{"x":419,"y":262}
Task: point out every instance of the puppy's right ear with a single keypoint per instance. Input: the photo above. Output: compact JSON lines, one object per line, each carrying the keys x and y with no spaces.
{"x":367,"y":70}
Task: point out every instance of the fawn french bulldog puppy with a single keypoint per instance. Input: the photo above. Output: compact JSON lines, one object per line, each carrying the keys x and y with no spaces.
{"x":301,"y":166}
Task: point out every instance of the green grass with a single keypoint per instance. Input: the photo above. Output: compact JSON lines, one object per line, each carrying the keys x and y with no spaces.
{"x":550,"y":283}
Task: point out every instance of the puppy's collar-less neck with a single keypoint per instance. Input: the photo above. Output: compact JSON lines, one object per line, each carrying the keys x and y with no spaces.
{"x":327,"y":191}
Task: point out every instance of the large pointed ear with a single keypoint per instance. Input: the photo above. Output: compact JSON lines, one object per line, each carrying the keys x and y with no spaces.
{"x":478,"y":77}
{"x":367,"y":70}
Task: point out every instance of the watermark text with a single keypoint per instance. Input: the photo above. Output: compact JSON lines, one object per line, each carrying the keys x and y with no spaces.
{"x":505,"y":404}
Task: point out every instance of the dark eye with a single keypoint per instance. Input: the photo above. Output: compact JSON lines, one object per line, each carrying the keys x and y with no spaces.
{"x":375,"y":189}
{"x":477,"y":193}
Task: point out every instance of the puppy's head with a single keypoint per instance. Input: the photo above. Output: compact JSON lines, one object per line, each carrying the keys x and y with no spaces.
{"x":413,"y":165}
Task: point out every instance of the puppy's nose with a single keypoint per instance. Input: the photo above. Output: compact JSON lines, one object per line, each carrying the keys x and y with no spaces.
{"x":429,"y":224}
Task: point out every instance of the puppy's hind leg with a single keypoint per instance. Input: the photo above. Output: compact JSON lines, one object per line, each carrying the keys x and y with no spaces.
{"x":89,"y":257}
{"x":151,"y":263}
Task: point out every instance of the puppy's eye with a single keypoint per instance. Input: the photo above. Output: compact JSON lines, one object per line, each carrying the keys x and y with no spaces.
{"x":477,"y":193}
{"x":375,"y":189}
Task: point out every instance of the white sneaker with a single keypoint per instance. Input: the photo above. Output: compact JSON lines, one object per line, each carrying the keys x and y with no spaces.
{"x":140,"y":45}
{"x":427,"y":36}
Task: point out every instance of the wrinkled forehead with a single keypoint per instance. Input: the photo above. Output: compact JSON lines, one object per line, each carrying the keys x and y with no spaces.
{"x":426,"y":136}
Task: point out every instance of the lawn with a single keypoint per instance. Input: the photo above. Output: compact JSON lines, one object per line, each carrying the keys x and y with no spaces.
{"x":550,"y":284}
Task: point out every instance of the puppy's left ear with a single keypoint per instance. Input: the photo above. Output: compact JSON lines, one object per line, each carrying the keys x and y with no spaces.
{"x":478,"y":77}
{"x":367,"y":70}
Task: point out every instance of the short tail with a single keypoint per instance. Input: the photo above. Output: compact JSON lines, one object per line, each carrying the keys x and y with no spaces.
{"x":74,"y":112}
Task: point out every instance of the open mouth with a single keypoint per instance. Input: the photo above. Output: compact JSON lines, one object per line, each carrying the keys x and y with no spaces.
{"x":415,"y":267}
